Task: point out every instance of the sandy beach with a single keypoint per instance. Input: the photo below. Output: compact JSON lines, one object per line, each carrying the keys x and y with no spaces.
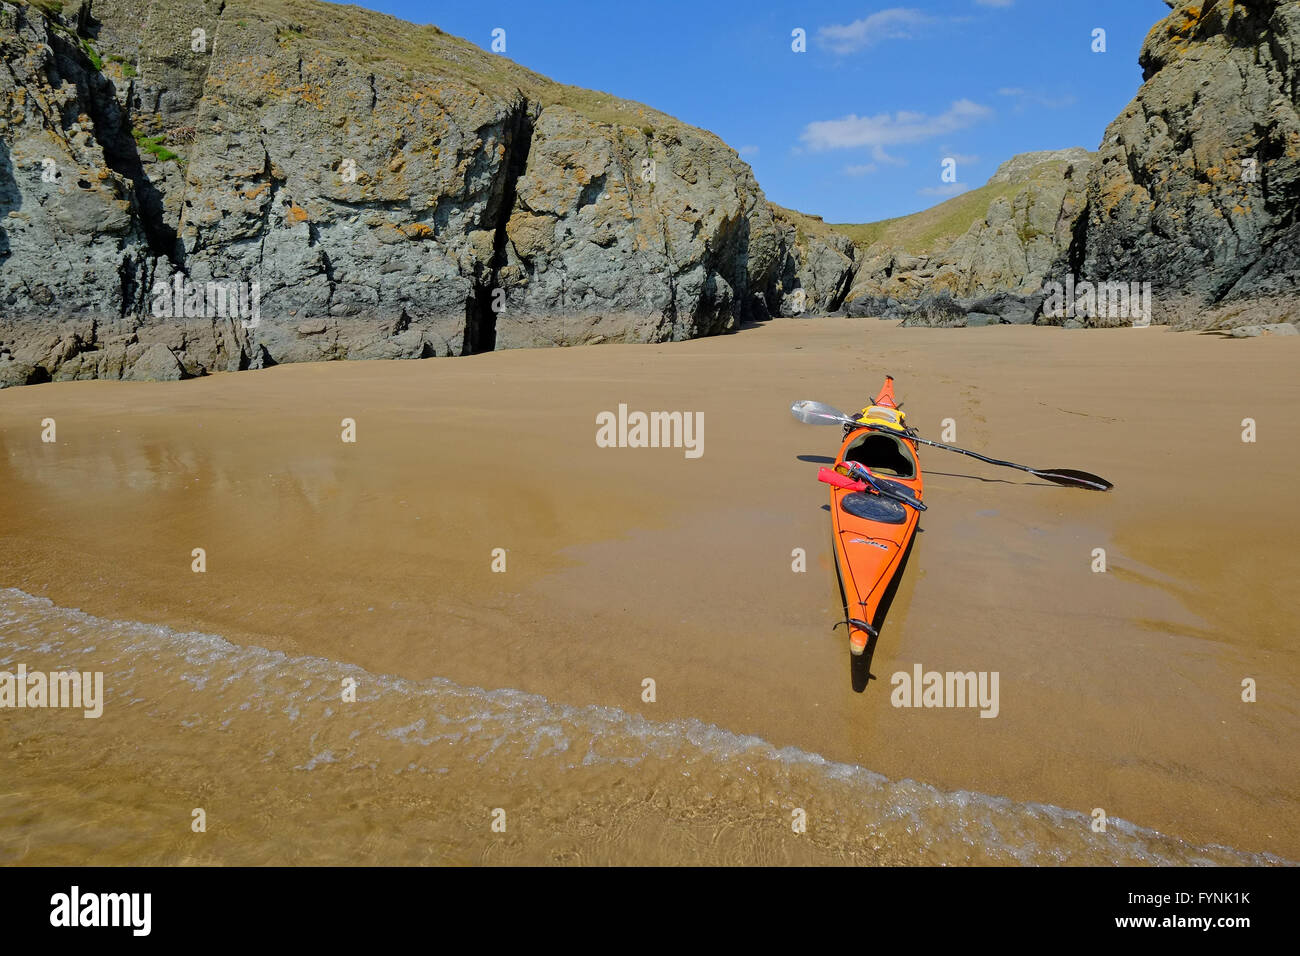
{"x":1119,"y":690}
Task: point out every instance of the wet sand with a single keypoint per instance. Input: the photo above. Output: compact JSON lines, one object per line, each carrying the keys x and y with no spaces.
{"x":1119,"y":690}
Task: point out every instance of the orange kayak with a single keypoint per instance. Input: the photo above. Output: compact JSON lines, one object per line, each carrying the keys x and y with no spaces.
{"x":872,"y":532}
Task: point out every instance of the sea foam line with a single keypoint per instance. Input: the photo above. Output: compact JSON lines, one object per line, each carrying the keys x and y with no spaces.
{"x":544,"y":723}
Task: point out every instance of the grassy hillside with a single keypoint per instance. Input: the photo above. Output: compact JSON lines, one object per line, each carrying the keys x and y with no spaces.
{"x":392,"y":45}
{"x":805,"y":225}
{"x":933,"y":228}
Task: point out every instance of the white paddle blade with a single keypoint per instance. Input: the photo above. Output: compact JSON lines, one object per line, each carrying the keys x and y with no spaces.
{"x":816,"y":413}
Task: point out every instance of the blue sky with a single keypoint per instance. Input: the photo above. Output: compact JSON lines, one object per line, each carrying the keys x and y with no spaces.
{"x":856,"y":128}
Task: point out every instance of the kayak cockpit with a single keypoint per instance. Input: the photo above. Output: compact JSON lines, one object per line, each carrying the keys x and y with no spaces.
{"x":883,"y":453}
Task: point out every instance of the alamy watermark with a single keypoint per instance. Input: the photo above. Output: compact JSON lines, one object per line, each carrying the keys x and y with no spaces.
{"x":183,"y":299}
{"x":1101,"y":300}
{"x":130,"y":910}
{"x":79,"y":690}
{"x":947,"y":689}
{"x":651,"y":430}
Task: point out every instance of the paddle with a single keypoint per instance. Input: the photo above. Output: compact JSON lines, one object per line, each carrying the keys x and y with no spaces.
{"x":848,"y":484}
{"x":899,"y":492}
{"x":817,"y":413}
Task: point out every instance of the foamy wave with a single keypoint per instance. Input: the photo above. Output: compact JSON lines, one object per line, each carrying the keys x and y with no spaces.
{"x":289,"y":712}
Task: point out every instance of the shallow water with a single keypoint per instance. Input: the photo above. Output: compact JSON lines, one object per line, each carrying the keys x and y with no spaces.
{"x":412,"y":772}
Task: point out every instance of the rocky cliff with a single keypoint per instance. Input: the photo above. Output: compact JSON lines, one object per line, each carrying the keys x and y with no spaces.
{"x":1197,"y":184}
{"x":980,"y":258}
{"x":303,"y":181}
{"x":1195,"y":190}
{"x":198,"y":185}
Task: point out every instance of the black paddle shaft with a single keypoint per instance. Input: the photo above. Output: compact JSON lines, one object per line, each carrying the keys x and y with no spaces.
{"x":1062,"y":476}
{"x":819,"y":413}
{"x":972,"y":454}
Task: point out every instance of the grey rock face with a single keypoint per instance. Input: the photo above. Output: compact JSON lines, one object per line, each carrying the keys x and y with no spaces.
{"x":938,"y":311}
{"x":381,"y":190}
{"x":941,"y":310}
{"x":1252,"y":331}
{"x":1011,"y":248}
{"x":70,"y":233}
{"x":1010,"y":309}
{"x":1194,"y":189}
{"x":873,"y":306}
{"x":815,"y":266}
{"x":418,"y":201}
{"x":1198,"y":180}
{"x":652,"y":237}
{"x":1021,"y":166}
{"x":155,"y":364}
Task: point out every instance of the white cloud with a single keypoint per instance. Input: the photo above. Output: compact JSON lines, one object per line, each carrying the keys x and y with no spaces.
{"x":883,"y":130}
{"x":961,"y":159}
{"x":995,"y":3}
{"x":896,"y":23}
{"x":863,"y":169}
{"x":880,"y":156}
{"x":947,"y":189}
{"x":748,"y":151}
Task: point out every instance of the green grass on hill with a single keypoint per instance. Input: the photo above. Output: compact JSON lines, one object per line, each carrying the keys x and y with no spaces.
{"x":929,"y":229}
{"x":804,"y":224}
{"x":380,"y":41}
